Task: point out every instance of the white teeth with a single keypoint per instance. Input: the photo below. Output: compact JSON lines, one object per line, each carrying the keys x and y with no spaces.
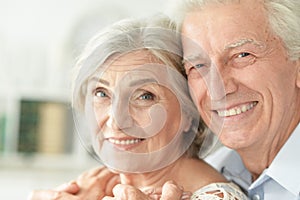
{"x":236,"y":111}
{"x":244,"y":108}
{"x":124,"y":142}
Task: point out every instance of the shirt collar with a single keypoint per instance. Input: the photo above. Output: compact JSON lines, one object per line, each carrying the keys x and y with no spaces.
{"x":285,"y":167}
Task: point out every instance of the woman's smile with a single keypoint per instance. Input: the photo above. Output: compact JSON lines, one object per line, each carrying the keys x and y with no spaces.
{"x":125,"y":143}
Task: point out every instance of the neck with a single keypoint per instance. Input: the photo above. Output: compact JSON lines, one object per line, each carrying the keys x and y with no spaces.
{"x":152,"y":179}
{"x":259,"y":157}
{"x":190,"y":173}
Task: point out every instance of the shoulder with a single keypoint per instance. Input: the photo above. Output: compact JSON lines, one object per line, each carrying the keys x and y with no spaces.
{"x":223,"y":157}
{"x":199,"y":170}
{"x":217,"y":191}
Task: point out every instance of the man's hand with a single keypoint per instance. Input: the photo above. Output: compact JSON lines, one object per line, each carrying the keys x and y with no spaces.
{"x":93,"y":185}
{"x":169,"y":191}
{"x":62,"y":192}
{"x":97,"y":183}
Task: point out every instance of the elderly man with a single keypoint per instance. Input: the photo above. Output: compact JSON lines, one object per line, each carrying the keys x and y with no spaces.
{"x":242,"y":59}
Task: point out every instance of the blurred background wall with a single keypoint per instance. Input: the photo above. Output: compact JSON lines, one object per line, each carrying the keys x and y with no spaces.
{"x":39,"y":41}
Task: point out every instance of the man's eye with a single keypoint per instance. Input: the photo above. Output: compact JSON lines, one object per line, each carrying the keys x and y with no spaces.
{"x":242,"y":55}
{"x":243,"y":59}
{"x":199,"y":65}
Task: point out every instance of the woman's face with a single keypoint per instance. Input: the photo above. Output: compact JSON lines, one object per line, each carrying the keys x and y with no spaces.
{"x":133,"y":110}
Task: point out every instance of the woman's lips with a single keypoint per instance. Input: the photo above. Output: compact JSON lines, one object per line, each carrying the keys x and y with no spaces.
{"x":125,"y":144}
{"x":125,"y":141}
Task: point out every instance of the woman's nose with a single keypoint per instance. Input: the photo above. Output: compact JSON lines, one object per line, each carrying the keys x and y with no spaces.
{"x":111,"y":122}
{"x":119,"y":120}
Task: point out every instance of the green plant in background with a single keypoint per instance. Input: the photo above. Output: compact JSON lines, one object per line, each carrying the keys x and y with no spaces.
{"x":2,"y":131}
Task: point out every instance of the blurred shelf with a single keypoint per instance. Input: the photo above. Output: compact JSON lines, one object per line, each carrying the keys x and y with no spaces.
{"x":61,"y":162}
{"x":38,"y":133}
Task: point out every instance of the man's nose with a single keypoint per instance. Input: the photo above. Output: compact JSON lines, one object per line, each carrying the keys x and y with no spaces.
{"x":220,"y":81}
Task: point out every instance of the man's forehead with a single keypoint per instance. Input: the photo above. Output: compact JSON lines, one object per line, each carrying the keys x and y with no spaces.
{"x":195,"y":51}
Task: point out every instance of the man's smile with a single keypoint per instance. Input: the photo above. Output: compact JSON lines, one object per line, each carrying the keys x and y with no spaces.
{"x":236,"y":110}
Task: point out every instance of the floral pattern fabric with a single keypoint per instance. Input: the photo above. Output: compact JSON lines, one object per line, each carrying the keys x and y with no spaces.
{"x":219,"y":191}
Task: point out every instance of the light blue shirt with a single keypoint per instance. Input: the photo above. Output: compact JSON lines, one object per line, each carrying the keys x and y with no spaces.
{"x":281,"y":181}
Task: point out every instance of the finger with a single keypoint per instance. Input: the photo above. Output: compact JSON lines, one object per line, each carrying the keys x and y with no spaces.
{"x":105,"y":175}
{"x":91,"y":172}
{"x":101,"y":173}
{"x":171,"y":191}
{"x":96,"y":183}
{"x":70,"y":187}
{"x":155,"y":196}
{"x":125,"y":192}
{"x":111,"y":183}
{"x":186,"y":195}
{"x":97,"y":170}
{"x":152,"y":190}
{"x":50,"y":195}
{"x":108,"y":198}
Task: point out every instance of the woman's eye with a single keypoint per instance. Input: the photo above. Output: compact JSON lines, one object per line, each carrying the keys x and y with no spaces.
{"x":101,"y":98}
{"x":100,"y":94}
{"x":143,"y":99}
{"x":147,"y":96}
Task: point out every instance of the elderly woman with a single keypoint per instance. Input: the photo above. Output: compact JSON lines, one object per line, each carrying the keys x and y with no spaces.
{"x":134,"y":112}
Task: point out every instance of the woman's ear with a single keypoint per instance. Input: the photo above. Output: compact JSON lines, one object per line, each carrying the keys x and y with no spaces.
{"x":187,"y":123}
{"x":298,"y":73}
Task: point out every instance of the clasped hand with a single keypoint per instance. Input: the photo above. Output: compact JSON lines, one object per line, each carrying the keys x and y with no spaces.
{"x":100,"y":183}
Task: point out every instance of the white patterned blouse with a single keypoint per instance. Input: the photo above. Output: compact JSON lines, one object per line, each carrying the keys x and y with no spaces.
{"x":219,"y":191}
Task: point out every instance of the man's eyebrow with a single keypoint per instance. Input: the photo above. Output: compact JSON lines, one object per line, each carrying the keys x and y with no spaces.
{"x":239,"y":43}
{"x":192,"y":58}
{"x":242,"y":42}
{"x":142,"y":81}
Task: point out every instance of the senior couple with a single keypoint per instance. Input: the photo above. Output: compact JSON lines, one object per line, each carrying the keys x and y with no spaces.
{"x":242,"y":63}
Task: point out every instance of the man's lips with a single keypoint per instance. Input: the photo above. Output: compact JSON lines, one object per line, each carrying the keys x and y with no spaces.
{"x":236,"y":110}
{"x":125,"y":141}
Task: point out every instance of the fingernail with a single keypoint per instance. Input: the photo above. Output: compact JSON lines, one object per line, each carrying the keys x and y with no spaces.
{"x":155,"y":196}
{"x":73,"y":184}
{"x":186,"y":195}
{"x":180,"y":187}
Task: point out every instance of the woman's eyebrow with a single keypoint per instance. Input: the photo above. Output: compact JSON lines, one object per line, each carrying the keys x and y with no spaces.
{"x":142,"y":81}
{"x":99,"y":80}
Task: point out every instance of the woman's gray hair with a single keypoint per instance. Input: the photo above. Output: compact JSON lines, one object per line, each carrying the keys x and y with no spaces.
{"x":124,"y":37}
{"x":283,"y":15}
{"x":157,"y":35}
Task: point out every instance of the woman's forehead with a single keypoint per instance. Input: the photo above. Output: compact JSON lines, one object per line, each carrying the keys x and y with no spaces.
{"x":130,"y":60}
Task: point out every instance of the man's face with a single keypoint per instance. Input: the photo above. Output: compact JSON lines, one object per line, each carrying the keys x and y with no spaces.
{"x":242,"y":81}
